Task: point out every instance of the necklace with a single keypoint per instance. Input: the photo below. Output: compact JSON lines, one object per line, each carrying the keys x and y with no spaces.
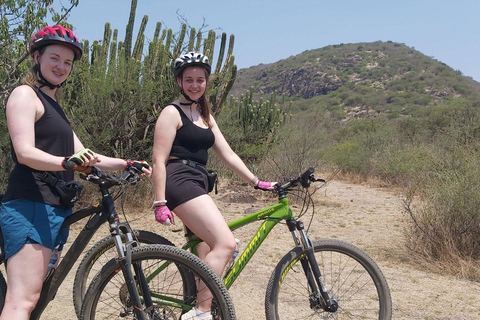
{"x":186,"y":113}
{"x":191,"y":116}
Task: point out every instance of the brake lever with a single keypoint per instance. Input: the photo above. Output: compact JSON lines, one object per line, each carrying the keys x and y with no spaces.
{"x":94,"y":175}
{"x":313,"y":179}
{"x":131,"y":176}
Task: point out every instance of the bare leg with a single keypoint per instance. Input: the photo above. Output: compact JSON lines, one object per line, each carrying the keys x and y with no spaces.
{"x":26,"y":271}
{"x":202,"y":216}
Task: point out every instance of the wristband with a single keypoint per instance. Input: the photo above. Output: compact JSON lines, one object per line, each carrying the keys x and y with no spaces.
{"x":67,"y":165}
{"x":159,"y":202}
{"x":129,"y":163}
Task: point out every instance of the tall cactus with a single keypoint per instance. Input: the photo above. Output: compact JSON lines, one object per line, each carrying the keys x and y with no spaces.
{"x":191,"y":41}
{"x":138,"y":49}
{"x":127,"y":90}
{"x":107,"y":34}
{"x":223,"y":78}
{"x":129,"y":30}
{"x":221,"y":53}
{"x":253,"y":125}
{"x":199,"y":41}
{"x":181,"y":37}
{"x":112,"y":60}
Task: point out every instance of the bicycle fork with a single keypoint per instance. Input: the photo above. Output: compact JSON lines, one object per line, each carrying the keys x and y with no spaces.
{"x":124,"y":259}
{"x":319,"y":297}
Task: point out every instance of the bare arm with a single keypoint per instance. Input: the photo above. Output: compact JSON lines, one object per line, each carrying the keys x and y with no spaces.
{"x":165,"y":130}
{"x":22,"y":110}
{"x":223,"y":150}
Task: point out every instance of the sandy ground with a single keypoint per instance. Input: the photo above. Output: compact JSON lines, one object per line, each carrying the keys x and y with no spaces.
{"x":369,"y":217}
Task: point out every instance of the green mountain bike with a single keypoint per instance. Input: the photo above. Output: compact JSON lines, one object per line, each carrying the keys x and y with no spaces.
{"x":316,"y":279}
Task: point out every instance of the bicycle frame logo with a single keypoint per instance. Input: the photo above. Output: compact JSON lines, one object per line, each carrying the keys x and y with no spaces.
{"x":266,"y":213}
{"x":288,"y":269}
{"x":247,"y":254}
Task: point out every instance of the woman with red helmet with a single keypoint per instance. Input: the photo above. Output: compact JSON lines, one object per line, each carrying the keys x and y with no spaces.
{"x":42,"y":142}
{"x":184,"y":132}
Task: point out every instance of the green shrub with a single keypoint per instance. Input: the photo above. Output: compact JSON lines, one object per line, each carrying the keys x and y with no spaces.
{"x":448,"y":224}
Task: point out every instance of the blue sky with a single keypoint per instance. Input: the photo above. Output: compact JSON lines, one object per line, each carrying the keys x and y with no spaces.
{"x":268,"y":31}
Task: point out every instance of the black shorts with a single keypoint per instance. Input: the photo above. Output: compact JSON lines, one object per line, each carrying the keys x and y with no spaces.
{"x":184,"y":183}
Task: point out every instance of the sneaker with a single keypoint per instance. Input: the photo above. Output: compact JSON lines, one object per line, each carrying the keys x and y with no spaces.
{"x":193,"y":315}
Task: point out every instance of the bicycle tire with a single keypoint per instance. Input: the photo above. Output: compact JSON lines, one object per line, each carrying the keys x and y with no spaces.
{"x":107,"y":298}
{"x":98,"y":255}
{"x":352,"y":278}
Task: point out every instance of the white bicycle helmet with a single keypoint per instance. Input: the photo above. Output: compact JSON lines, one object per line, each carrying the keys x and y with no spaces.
{"x":191,"y":59}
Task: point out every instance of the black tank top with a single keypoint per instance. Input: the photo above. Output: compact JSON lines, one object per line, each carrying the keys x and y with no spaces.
{"x":191,"y":141}
{"x":54,"y":135}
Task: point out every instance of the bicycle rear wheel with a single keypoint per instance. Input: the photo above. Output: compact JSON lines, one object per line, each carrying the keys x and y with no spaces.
{"x":102,"y":252}
{"x":171,"y":273}
{"x":352,"y":279}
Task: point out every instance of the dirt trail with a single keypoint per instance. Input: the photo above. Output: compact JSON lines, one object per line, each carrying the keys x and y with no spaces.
{"x":369,"y":217}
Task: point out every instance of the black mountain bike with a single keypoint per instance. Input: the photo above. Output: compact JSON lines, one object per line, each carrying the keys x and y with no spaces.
{"x":131,"y":296}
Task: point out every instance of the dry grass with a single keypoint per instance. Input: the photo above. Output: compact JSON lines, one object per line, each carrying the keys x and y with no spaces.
{"x":370,"y":217}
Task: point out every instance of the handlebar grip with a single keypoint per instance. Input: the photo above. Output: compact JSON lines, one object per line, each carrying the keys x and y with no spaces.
{"x":305,"y":177}
{"x":306,"y":174}
{"x":82,"y":169}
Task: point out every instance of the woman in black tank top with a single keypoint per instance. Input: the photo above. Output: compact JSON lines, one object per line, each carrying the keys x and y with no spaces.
{"x":184,"y":132}
{"x":42,"y":139}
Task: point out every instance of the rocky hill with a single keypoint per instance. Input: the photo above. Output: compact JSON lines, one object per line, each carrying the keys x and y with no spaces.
{"x":377,"y":77}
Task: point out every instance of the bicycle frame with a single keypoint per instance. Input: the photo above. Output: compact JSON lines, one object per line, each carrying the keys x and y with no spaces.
{"x":272,"y":216}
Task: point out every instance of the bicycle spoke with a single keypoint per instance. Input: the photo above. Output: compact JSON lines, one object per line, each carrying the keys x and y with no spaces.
{"x":173,"y":290}
{"x":351,"y":279}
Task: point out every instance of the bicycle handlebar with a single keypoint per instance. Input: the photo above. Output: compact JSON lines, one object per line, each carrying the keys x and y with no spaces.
{"x":304,"y":179}
{"x":96,"y":176}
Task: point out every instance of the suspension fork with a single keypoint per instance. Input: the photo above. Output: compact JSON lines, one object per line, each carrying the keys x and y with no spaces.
{"x":124,"y":258}
{"x":137,"y":267}
{"x":310,"y":267}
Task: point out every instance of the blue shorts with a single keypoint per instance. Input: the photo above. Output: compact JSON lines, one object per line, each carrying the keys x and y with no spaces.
{"x":25,"y":221}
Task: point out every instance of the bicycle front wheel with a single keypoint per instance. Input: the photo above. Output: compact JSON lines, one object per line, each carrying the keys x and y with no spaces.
{"x":351,"y":278}
{"x":102,"y":252}
{"x":171,"y":274}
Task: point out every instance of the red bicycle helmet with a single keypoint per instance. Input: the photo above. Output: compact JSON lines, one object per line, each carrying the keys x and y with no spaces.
{"x":191,"y":59}
{"x":56,"y":34}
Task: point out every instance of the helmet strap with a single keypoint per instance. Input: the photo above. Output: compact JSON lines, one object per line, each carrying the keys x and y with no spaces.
{"x":44,"y":82}
{"x":187,"y":97}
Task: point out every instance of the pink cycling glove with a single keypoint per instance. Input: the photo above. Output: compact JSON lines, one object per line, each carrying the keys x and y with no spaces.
{"x":164,"y":215}
{"x":265,"y":185}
